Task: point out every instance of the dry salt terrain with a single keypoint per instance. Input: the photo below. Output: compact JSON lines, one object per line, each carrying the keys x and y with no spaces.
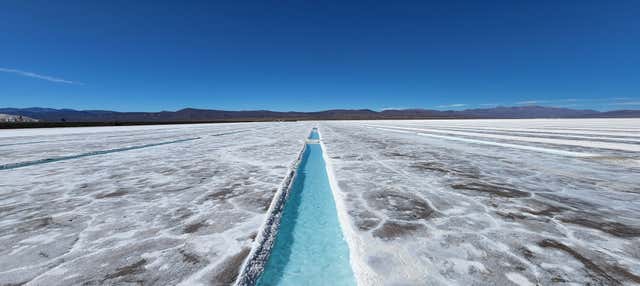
{"x":146,"y":205}
{"x":423,"y":202}
{"x":489,"y":202}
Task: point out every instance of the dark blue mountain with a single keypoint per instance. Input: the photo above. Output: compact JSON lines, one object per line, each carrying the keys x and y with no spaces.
{"x":204,"y":115}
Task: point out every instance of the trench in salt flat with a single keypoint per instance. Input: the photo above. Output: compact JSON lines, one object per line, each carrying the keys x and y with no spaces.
{"x":310,"y":247}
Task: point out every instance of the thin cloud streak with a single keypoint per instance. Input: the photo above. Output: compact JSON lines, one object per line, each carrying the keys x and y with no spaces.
{"x":530,"y":102}
{"x":634,"y":103}
{"x":572,"y":100}
{"x":38,"y":76}
{"x":394,"y":108}
{"x":452,"y":105}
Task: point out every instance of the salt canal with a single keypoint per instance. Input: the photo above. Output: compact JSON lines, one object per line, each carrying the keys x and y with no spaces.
{"x":310,"y":248}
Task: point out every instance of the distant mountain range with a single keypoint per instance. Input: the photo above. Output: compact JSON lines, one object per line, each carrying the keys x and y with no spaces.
{"x":205,"y":115}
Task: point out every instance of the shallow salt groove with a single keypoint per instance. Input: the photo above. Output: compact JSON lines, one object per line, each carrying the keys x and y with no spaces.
{"x":608,"y":125}
{"x":592,"y":144}
{"x":310,"y":248}
{"x":619,"y":138}
{"x":93,"y":153}
{"x":514,"y":146}
{"x":70,"y":143}
{"x":563,"y":131}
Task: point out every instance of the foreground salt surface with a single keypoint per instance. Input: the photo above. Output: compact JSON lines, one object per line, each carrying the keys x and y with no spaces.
{"x":183,"y":213}
{"x":427,"y":210}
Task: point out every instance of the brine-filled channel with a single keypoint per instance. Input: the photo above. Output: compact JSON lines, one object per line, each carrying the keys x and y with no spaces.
{"x":310,"y":248}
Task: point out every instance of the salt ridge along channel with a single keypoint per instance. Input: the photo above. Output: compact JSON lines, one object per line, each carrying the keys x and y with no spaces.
{"x":310,"y":248}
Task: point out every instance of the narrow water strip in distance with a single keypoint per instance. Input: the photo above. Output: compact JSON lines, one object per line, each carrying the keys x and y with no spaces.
{"x":314,"y":134}
{"x":616,"y":139}
{"x":229,"y":133}
{"x":66,"y":140}
{"x":92,"y":153}
{"x":27,"y":143}
{"x":562,"y":131}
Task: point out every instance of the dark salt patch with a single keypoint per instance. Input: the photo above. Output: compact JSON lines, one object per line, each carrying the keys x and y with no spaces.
{"x":367,"y":224}
{"x":394,"y":154}
{"x":227,"y":274}
{"x":550,"y":210}
{"x":364,"y":220}
{"x":511,"y":215}
{"x":183,"y":213}
{"x":558,"y":279}
{"x":501,"y":191}
{"x":191,"y":228}
{"x":218,"y":195}
{"x":252,"y":236}
{"x":569,"y":201}
{"x":400,"y":206}
{"x":610,"y":227}
{"x":431,"y":166}
{"x":35,"y":224}
{"x":167,"y":171}
{"x":15,"y":284}
{"x":189,"y":258}
{"x":392,"y":230}
{"x":574,"y":213}
{"x":255,"y":202}
{"x":599,"y":270}
{"x":115,"y":194}
{"x":132,"y":269}
{"x":225,"y":193}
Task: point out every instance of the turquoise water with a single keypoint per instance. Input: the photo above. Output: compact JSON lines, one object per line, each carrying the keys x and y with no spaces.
{"x":309,"y":248}
{"x":314,"y":135}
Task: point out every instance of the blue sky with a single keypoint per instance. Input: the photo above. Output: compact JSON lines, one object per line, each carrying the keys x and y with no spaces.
{"x":315,"y":55}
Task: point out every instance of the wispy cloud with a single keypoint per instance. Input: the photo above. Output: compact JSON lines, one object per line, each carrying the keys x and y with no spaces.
{"x":394,"y":108}
{"x":574,"y":101}
{"x":38,"y":76}
{"x":452,"y":105}
{"x":530,"y":102}
{"x":633,"y":103}
{"x":546,"y":101}
{"x":597,"y":103}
